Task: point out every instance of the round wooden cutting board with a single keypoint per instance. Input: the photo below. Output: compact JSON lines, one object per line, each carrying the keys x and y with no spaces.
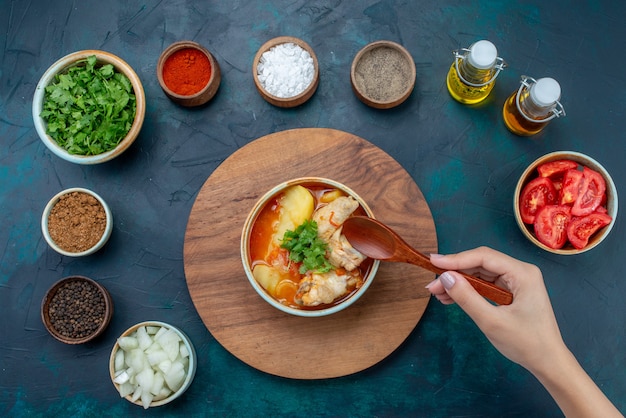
{"x":266,"y":338}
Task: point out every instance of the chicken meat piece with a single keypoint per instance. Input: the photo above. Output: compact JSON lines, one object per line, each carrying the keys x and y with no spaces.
{"x":324,"y":288}
{"x":329,"y":220}
{"x":342,"y":254}
{"x":330,"y":217}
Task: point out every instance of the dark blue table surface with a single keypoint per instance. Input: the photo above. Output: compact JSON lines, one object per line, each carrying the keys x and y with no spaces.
{"x":463,"y":159}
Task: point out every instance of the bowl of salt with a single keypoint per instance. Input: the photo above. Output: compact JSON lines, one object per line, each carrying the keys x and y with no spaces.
{"x":285,"y":71}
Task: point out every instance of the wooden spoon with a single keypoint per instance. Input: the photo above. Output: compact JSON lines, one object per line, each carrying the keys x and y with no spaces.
{"x":376,"y":240}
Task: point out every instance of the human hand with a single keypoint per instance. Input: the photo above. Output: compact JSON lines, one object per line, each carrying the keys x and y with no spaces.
{"x":525,"y":331}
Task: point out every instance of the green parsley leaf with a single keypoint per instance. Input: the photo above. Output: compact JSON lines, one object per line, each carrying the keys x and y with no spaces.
{"x":307,"y":248}
{"x":89,"y":109}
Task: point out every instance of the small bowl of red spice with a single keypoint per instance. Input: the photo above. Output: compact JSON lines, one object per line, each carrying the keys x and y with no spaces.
{"x":76,"y":309}
{"x":76,"y":222}
{"x":188,"y":74}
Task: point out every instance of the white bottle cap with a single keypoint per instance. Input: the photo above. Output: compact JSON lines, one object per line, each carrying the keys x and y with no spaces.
{"x":482,"y":55}
{"x":545,"y":92}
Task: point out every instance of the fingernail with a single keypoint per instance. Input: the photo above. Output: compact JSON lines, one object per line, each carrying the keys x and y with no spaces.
{"x":447,"y":280}
{"x":436,"y":255}
{"x":430,"y":284}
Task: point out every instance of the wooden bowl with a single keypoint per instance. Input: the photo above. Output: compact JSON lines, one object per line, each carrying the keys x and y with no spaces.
{"x":45,"y":218}
{"x":246,"y":242}
{"x":584,"y":160}
{"x":50,"y":311}
{"x":61,"y":66}
{"x":285,"y":102}
{"x":383,"y":74}
{"x":209,"y":89}
{"x":190,"y":369}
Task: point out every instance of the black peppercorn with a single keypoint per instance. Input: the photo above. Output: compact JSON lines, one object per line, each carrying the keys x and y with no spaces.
{"x":77,"y":309}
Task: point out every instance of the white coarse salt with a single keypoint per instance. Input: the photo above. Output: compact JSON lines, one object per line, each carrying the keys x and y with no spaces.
{"x":285,"y":70}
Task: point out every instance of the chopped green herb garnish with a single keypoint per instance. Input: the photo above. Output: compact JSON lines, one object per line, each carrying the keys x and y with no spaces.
{"x":307,"y":248}
{"x":89,"y":109}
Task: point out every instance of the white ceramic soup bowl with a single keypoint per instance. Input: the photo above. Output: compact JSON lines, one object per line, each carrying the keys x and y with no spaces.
{"x":370,"y":266}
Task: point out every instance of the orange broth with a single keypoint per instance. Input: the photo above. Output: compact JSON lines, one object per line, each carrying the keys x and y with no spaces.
{"x":262,"y":252}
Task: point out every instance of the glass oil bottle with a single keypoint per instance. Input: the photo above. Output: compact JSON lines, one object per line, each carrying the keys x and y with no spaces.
{"x":473,"y":73}
{"x":528,"y":110}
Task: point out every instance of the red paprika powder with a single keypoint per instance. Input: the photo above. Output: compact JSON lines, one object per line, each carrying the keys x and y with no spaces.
{"x":186,"y":71}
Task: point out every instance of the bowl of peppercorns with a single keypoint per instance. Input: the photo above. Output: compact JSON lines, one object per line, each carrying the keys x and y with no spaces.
{"x":76,"y":309}
{"x":76,"y":222}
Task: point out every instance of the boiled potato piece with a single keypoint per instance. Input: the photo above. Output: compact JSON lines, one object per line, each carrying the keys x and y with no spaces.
{"x":297,"y":205}
{"x":330,"y":196}
{"x":267,"y":276}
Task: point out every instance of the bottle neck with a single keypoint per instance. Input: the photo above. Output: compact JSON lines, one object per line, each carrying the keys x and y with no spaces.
{"x":475,"y":75}
{"x":532,"y":109}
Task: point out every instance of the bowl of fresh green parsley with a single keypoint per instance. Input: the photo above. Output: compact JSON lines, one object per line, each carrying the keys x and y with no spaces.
{"x":89,"y":107}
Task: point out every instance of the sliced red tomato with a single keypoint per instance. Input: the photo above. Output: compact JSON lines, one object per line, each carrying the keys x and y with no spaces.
{"x":570,"y":186}
{"x":581,"y":229}
{"x":536,"y":194}
{"x":590,"y":194}
{"x":602,"y":209}
{"x":551,"y":223}
{"x":551,"y":168}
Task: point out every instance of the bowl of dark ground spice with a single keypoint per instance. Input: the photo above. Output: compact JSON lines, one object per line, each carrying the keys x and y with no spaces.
{"x":383,"y":74}
{"x":76,"y":309}
{"x":188,"y":74}
{"x":76,"y":222}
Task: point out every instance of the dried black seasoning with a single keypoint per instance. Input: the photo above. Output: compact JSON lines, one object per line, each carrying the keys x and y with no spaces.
{"x":77,"y":309}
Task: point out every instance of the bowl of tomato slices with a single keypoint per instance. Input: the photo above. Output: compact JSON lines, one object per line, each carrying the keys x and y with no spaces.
{"x":565,"y":202}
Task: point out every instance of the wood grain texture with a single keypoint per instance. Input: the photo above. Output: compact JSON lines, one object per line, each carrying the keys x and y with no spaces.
{"x":266,"y":338}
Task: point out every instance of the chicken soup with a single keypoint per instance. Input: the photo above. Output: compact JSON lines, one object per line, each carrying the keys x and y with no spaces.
{"x":297,"y":251}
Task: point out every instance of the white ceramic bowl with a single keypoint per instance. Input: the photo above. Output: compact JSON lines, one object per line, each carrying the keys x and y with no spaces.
{"x":46,"y":214}
{"x":62,"y":65}
{"x":584,"y":160}
{"x":190,"y":369}
{"x":245,"y":248}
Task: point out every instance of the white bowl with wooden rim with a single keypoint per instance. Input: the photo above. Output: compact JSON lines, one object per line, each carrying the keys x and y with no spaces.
{"x":609,"y":206}
{"x":77,"y":59}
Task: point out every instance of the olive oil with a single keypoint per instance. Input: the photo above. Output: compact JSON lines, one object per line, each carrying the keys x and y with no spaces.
{"x":517,"y":123}
{"x":473,"y":73}
{"x":464,"y":93}
{"x":527,"y":111}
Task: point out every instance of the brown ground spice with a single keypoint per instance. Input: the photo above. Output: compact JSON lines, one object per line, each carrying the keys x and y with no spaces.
{"x":76,"y":222}
{"x":383,"y":74}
